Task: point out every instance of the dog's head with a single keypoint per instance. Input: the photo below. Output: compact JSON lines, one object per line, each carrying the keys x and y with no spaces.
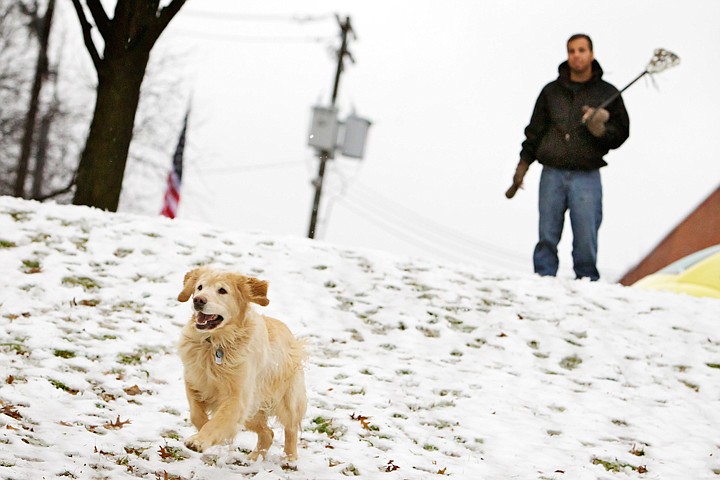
{"x":219,"y":296}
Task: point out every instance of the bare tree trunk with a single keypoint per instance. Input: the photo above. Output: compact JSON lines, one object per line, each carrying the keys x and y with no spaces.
{"x":102,"y":164}
{"x":41,"y":71}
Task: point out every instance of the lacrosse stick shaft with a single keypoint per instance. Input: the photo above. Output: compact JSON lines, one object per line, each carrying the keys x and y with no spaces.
{"x":614,"y":96}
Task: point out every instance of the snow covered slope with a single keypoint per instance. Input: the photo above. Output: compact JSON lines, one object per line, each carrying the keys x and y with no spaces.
{"x":416,"y":369}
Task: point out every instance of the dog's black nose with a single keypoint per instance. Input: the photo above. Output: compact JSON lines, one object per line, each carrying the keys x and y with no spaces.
{"x":199,"y":302}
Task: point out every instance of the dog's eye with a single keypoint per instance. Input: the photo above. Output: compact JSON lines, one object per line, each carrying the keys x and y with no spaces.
{"x":199,"y":287}
{"x":222,"y":291}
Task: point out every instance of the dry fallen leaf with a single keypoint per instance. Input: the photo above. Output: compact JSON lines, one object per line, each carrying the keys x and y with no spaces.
{"x":362,"y":419}
{"x":10,"y":411}
{"x":164,"y":454}
{"x":117,"y":423}
{"x":134,"y":390}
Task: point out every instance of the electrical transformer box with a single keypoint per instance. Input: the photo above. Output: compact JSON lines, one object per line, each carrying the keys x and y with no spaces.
{"x":324,"y":128}
{"x":355,"y":135}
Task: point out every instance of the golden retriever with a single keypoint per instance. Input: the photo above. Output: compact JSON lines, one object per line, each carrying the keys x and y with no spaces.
{"x":240,"y":367}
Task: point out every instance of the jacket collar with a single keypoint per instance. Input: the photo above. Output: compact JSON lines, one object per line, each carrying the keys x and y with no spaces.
{"x":564,"y":73}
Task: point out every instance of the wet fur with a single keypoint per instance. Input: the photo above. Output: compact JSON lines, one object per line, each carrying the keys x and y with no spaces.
{"x":261,"y":374}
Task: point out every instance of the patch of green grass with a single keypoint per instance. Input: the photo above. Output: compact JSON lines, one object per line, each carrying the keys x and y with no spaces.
{"x":690,"y":385}
{"x":18,"y":348}
{"x":638,"y":452}
{"x":80,"y":243}
{"x":459,"y":326}
{"x":713,"y":365}
{"x":7,"y":244}
{"x":130,"y":358}
{"x":430,"y":448}
{"x":61,"y":386}
{"x":351,"y":471}
{"x":615,"y":466}
{"x":476,"y":343}
{"x":31,"y":266}
{"x":429,"y":332}
{"x":40,"y":238}
{"x":172,"y":454}
{"x":326,"y":426}
{"x":128,"y":305}
{"x":86,"y":282}
{"x":123,"y":252}
{"x":171,"y":434}
{"x":64,"y":353}
{"x":404,"y":372}
{"x":620,"y":423}
{"x":138,"y":356}
{"x":571,"y":362}
{"x":20,"y":216}
{"x":439,"y":424}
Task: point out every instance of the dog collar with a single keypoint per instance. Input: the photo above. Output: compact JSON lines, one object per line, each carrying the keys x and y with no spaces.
{"x":219,"y":354}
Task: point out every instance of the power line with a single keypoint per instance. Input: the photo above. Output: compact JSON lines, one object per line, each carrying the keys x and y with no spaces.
{"x":416,"y":221}
{"x":254,"y":38}
{"x":257,"y":17}
{"x":426,"y":238}
{"x":257,"y":166}
{"x":399,"y":233}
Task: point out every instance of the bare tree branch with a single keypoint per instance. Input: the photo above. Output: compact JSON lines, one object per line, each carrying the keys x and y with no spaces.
{"x":87,"y":28}
{"x":60,"y":191}
{"x":102,"y":22}
{"x":168,"y":13}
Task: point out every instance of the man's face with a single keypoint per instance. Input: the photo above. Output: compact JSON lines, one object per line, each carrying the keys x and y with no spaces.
{"x":580,"y":57}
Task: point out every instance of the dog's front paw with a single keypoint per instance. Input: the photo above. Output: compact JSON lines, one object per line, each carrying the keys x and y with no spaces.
{"x":195,"y":443}
{"x":255,"y":454}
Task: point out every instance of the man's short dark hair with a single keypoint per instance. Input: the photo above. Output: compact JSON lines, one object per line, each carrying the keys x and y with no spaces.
{"x":579,"y":36}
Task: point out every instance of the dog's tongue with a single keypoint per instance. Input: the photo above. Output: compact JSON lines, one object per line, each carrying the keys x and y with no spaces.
{"x":203,"y":319}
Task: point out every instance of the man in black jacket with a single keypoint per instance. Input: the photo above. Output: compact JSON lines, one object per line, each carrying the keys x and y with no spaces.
{"x":569,"y":138}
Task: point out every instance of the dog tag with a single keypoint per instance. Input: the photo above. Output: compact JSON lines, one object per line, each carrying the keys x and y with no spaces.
{"x":218,"y":356}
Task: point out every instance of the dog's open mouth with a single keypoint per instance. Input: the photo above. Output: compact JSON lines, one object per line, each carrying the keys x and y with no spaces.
{"x":207,"y":322}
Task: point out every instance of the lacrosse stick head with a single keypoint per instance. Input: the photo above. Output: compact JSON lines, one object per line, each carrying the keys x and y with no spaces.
{"x":662,"y":60}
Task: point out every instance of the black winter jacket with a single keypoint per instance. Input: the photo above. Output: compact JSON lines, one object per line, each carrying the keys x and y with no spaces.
{"x":556,"y":136}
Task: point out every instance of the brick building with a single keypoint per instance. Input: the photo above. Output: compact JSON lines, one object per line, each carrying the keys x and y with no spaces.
{"x":700,"y":229}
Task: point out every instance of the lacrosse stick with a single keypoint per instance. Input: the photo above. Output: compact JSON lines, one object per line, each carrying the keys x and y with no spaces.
{"x":661,"y":60}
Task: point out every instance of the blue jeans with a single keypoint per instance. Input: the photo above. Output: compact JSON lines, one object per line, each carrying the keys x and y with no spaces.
{"x":581,"y":193}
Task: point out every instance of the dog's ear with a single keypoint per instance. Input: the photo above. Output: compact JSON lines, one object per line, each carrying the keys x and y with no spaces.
{"x":256,"y":290}
{"x":189,"y":284}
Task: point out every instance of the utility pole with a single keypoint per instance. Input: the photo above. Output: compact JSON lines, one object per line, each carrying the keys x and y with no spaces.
{"x":324,"y":155}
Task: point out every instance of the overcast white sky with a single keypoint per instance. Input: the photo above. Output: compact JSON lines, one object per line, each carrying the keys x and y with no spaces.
{"x":449,"y":87}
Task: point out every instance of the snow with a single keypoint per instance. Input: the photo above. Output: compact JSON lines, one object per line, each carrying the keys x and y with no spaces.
{"x":416,"y":369}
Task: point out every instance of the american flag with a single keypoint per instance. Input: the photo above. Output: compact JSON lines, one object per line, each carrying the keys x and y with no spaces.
{"x":172,"y":193}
